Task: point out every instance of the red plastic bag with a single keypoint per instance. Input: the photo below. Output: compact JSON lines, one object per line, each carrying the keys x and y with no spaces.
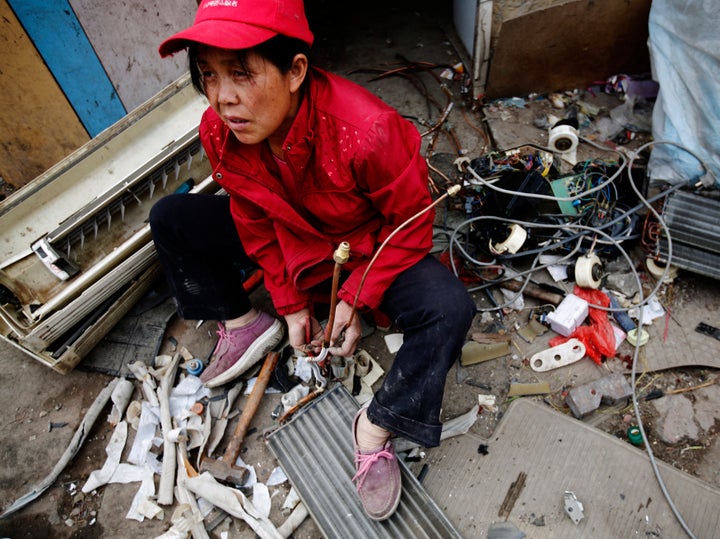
{"x":598,"y":335}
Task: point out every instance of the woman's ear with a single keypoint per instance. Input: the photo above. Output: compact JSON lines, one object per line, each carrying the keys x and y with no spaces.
{"x":298,"y":72}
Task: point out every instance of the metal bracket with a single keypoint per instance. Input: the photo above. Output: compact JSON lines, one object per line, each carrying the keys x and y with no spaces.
{"x":558,"y":356}
{"x":573,"y":507}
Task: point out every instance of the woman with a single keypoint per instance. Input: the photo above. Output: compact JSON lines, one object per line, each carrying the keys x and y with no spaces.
{"x":310,"y":160}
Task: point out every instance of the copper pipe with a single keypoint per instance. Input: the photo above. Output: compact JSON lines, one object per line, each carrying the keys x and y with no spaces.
{"x":451,"y":191}
{"x":340,"y":256}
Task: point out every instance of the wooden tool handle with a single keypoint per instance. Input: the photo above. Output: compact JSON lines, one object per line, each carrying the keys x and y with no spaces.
{"x":251,"y":406}
{"x":533,"y":291}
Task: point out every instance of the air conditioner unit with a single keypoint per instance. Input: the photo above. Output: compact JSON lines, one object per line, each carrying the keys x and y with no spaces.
{"x":77,"y":252}
{"x":693,"y":223}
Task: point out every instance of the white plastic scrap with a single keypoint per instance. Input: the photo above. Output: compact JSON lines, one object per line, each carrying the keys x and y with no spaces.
{"x":297,"y":516}
{"x":557,"y":266}
{"x":145,"y":492}
{"x":277,"y":477}
{"x":393,"y":341}
{"x":166,"y":376}
{"x":145,"y":435}
{"x":183,"y":520}
{"x":142,"y":373}
{"x":291,"y":500}
{"x":185,"y":394}
{"x":367,"y":380}
{"x":120,"y":398}
{"x":232,"y":501}
{"x":149,"y":509}
{"x":261,"y":499}
{"x":132,"y":414}
{"x":517,"y":301}
{"x":488,"y":402}
{"x":114,"y":451}
{"x":650,"y":311}
{"x":303,"y":370}
{"x":187,"y":498}
{"x":453,"y":427}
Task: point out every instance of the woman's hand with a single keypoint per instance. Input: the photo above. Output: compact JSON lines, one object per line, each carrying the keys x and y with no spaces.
{"x":303,"y":330}
{"x":344,"y":344}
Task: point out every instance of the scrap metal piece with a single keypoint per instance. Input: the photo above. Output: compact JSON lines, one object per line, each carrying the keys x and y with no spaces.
{"x":504,"y":530}
{"x":573,"y":507}
{"x":707,"y":329}
{"x":521,"y":390}
{"x":533,"y":329}
{"x":317,"y":444}
{"x":475,"y":352}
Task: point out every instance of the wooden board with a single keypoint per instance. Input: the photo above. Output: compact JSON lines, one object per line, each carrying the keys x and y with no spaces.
{"x":65,"y":48}
{"x":568,"y":46}
{"x":38,"y":126}
{"x":126,"y":36}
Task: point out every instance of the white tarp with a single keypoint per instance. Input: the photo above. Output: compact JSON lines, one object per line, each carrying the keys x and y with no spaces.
{"x":684,"y":43}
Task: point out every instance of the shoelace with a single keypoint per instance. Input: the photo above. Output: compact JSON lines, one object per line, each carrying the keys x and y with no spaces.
{"x":221,"y":333}
{"x":223,"y":338}
{"x":364,"y":462}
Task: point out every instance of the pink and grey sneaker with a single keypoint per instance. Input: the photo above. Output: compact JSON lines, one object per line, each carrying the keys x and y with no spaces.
{"x":239,"y":349}
{"x":378,"y":479}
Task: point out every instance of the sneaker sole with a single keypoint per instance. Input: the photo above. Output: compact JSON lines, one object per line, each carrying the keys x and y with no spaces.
{"x":267,"y":341}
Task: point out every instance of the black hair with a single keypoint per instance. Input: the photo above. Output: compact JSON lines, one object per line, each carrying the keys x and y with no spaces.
{"x":279,"y":50}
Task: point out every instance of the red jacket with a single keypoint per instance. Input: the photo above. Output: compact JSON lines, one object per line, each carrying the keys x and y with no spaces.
{"x":357,"y":175}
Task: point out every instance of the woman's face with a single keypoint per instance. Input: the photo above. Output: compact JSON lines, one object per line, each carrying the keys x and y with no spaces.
{"x":257,"y":101}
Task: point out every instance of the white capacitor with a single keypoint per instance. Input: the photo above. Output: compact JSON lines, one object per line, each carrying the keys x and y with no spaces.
{"x":512,"y":244}
{"x":588,"y":270}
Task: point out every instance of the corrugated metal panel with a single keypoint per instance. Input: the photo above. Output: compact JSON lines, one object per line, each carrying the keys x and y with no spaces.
{"x":691,"y":258}
{"x":315,"y":450}
{"x":693,"y":219}
{"x":694,"y":225}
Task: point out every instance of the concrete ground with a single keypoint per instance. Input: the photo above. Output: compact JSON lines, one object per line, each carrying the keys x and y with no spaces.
{"x":40,"y":409}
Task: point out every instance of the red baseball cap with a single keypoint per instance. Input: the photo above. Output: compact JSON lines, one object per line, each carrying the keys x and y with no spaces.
{"x":240,"y":24}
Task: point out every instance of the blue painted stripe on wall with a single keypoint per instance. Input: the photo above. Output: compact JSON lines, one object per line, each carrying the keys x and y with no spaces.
{"x":63,"y":45}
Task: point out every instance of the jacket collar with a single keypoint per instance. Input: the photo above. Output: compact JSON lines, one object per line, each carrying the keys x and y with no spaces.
{"x":299,"y":139}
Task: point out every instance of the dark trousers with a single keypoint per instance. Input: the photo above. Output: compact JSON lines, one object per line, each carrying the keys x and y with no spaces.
{"x":199,"y":250}
{"x":201,"y":255}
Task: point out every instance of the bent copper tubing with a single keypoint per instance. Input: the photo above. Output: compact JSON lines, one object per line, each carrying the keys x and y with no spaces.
{"x":340,"y":256}
{"x":451,"y":192}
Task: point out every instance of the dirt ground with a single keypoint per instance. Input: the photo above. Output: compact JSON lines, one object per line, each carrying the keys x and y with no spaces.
{"x":40,"y":409}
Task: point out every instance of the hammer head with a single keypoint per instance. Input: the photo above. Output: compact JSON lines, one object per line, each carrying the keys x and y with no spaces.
{"x":224,"y":471}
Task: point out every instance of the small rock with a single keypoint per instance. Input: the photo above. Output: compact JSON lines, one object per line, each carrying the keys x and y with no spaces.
{"x":676,"y":419}
{"x":707,"y":404}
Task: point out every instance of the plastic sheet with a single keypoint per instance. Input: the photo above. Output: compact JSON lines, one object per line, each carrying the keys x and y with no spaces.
{"x":684,"y":47}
